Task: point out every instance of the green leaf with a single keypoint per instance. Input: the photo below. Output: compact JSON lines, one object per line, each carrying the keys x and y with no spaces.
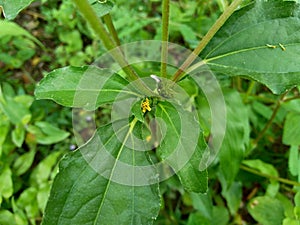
{"x":17,"y":112}
{"x":233,"y":196}
{"x":297,"y":199}
{"x":293,"y":106}
{"x":43,"y":195}
{"x":265,"y":168}
{"x":203,"y":204}
{"x":6,"y":184}
{"x":287,"y":205}
{"x":179,"y":146}
{"x":291,"y":133}
{"x":24,"y":162}
{"x":11,"y":10}
{"x":4,"y":128}
{"x":28,"y":202}
{"x":240,"y":47}
{"x":209,"y":214}
{"x":294,"y":160}
{"x":19,"y":214}
{"x":7,"y":218}
{"x":220,"y":216}
{"x":84,"y":87}
{"x":101,"y":7}
{"x":87,"y":189}
{"x":136,"y":110}
{"x":236,"y":137}
{"x":289,"y":221}
{"x":13,"y":29}
{"x":18,"y":135}
{"x":43,"y":170}
{"x":47,"y":134}
{"x":266,"y":210}
{"x":197,"y":218}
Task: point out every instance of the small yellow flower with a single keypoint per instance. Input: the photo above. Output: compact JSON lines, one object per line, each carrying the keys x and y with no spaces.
{"x":146,"y":105}
{"x":148,"y":138}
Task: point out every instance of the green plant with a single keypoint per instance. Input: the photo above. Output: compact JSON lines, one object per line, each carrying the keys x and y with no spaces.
{"x":92,"y":188}
{"x":22,"y":138}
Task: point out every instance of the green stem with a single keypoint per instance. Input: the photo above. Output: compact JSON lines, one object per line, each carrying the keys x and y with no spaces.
{"x":111,"y":28}
{"x":165,"y":36}
{"x":213,"y":30}
{"x":250,"y":90}
{"x":98,"y":27}
{"x":292,"y":98}
{"x":282,"y":180}
{"x":268,"y":124}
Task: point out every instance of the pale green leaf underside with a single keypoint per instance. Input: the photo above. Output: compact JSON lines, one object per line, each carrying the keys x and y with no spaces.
{"x":80,"y":195}
{"x":83,"y":87}
{"x":242,"y":46}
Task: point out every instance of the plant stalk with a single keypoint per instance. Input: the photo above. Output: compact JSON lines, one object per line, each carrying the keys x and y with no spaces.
{"x":206,"y":39}
{"x":282,"y":180}
{"x":111,"y":28}
{"x":165,"y":37}
{"x":268,"y":124}
{"x":98,"y":27}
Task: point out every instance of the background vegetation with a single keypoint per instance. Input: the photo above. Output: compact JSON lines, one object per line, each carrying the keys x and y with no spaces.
{"x":34,"y":135}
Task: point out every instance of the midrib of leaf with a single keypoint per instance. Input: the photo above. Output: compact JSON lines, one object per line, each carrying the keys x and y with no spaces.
{"x":96,"y":91}
{"x":172,"y":124}
{"x":235,"y":52}
{"x":133,"y":187}
{"x":82,"y":172}
{"x":207,"y":60}
{"x":131,"y":126}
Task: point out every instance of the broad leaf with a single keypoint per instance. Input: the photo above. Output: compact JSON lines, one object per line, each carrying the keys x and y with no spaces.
{"x":105,"y":181}
{"x":7,"y":218}
{"x":12,"y":9}
{"x":206,"y":212}
{"x":18,"y":135}
{"x":13,"y":29}
{"x":84,"y":87}
{"x":6,"y":182}
{"x":44,"y":170}
{"x":266,"y":210}
{"x":294,"y":160}
{"x":4,"y":129}
{"x":291,"y":133}
{"x":45,"y":133}
{"x":24,"y":162}
{"x":17,"y":112}
{"x":260,"y":42}
{"x":181,"y":145}
{"x":233,"y":196}
{"x":236,"y":137}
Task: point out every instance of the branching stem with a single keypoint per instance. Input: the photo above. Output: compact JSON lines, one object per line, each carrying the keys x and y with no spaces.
{"x":268,"y":124}
{"x":282,"y":180}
